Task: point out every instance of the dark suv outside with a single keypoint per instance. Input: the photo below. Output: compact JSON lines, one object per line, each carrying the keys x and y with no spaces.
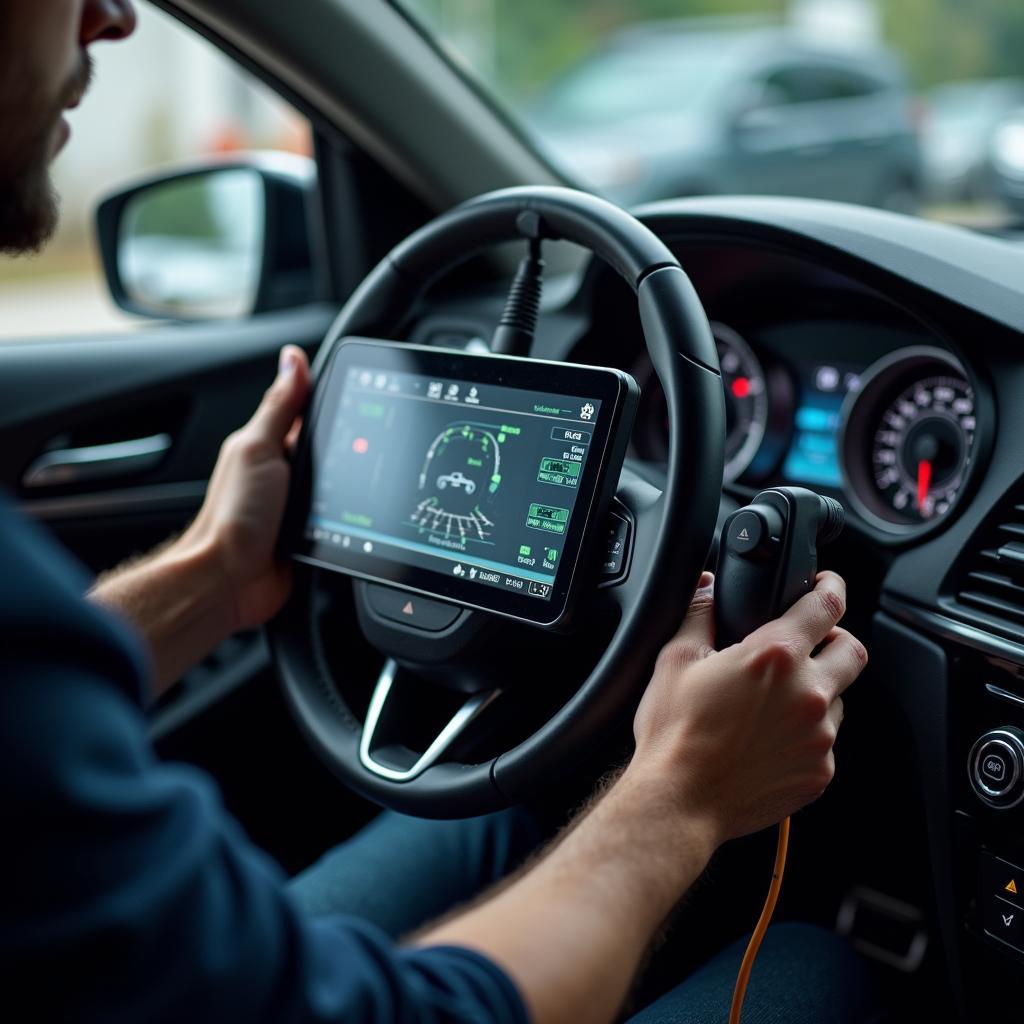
{"x":681,"y":108}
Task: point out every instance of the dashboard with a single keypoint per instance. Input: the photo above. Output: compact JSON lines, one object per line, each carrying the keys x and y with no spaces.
{"x":880,"y":360}
{"x":828,"y":384}
{"x":871,"y":415}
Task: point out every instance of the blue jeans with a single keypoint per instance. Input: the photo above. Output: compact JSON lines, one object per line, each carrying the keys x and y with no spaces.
{"x":402,"y":872}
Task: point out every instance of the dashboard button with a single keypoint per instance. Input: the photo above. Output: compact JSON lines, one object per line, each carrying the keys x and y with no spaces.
{"x":754,"y":533}
{"x":1001,"y":878}
{"x":1004,"y":920}
{"x":616,"y":549}
{"x":995,"y":768}
{"x":746,"y":533}
{"x":1001,"y":899}
{"x":411,"y":609}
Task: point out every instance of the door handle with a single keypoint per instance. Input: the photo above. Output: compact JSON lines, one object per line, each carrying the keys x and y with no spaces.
{"x":96,"y":462}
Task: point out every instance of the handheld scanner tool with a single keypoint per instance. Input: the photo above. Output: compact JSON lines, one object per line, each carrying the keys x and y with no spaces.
{"x":769,"y":557}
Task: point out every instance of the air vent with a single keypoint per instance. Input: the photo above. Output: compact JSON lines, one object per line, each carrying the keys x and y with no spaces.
{"x":990,"y":586}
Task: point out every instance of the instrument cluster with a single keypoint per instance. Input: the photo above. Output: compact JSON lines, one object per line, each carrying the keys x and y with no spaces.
{"x":889,"y":428}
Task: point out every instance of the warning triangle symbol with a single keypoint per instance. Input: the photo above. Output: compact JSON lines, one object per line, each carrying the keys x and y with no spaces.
{"x":408,"y":609}
{"x":744,"y":534}
{"x":1011,"y":886}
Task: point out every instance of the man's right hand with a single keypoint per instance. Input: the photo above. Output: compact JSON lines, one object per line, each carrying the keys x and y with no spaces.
{"x":726,"y":743}
{"x":742,"y":737}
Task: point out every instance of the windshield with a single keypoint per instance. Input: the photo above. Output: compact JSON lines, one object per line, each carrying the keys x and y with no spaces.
{"x":913,"y":107}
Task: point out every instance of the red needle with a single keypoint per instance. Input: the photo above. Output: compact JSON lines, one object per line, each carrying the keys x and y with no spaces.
{"x":924,"y":482}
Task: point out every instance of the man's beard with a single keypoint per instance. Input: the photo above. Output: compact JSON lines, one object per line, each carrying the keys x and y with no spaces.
{"x":29,"y":205}
{"x":29,"y":208}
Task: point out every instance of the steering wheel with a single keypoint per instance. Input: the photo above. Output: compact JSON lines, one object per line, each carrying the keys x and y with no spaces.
{"x":440,"y":771}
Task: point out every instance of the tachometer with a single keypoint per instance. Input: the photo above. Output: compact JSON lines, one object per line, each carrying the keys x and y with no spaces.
{"x":746,"y":400}
{"x":908,"y":438}
{"x":746,"y":405}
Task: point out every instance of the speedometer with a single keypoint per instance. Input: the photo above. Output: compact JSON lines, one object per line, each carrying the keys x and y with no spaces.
{"x":922,"y":448}
{"x":909,"y":438}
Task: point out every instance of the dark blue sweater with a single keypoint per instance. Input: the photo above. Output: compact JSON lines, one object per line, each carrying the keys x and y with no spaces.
{"x":129,"y":894}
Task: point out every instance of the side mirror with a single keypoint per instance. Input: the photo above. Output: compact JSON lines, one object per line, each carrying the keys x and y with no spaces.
{"x":217,"y":241}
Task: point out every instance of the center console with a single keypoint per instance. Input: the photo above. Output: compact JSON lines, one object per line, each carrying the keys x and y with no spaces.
{"x":962,"y":689}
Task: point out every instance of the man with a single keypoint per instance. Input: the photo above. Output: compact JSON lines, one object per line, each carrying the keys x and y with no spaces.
{"x":131,"y":896}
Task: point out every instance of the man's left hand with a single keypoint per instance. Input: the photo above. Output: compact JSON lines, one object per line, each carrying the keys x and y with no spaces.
{"x":241,"y":516}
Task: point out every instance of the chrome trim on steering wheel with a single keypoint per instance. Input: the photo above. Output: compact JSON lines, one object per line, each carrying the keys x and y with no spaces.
{"x":456,"y":725}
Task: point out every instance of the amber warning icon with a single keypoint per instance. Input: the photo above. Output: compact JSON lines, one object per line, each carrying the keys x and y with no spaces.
{"x":1011,"y":886}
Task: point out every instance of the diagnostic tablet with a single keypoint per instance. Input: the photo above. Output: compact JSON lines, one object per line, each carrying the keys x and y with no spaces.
{"x":478,"y":479}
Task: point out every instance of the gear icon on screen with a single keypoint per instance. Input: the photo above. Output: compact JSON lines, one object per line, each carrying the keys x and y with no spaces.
{"x":586,"y":412}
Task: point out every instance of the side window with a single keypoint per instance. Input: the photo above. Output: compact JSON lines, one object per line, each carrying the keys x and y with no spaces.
{"x":784,"y":87}
{"x":824,"y":84}
{"x":163,"y":96}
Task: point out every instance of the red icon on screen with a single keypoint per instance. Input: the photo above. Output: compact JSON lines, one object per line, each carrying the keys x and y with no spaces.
{"x":741,"y":387}
{"x":360,"y":446}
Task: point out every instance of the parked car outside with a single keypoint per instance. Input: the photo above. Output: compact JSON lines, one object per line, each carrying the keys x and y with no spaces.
{"x":680,"y":108}
{"x":961,"y":121}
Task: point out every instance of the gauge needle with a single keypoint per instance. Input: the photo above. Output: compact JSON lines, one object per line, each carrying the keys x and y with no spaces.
{"x":924,"y":482}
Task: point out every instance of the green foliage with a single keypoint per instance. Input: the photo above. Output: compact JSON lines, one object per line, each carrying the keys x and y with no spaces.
{"x":943,"y":40}
{"x":180,"y":209}
{"x":534,"y":40}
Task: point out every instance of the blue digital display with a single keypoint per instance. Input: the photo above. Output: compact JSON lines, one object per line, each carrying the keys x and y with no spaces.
{"x":813,"y":456}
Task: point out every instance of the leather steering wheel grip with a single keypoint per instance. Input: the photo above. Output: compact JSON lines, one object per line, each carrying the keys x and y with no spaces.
{"x":673,"y":534}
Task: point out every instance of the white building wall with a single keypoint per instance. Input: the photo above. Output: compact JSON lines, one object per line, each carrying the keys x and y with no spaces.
{"x":164,"y":95}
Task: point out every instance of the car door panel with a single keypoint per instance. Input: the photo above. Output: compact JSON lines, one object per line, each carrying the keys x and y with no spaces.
{"x":188,"y":384}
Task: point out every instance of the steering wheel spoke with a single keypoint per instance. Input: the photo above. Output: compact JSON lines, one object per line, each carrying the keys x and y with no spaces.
{"x":641,"y":489}
{"x":639,"y":496}
{"x":372,"y":747}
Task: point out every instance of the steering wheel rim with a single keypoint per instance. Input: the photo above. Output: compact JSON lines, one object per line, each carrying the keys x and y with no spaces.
{"x":673,"y":528}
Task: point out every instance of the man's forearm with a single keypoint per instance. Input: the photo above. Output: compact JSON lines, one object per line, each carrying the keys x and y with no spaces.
{"x":573,"y":930}
{"x":176,"y":598}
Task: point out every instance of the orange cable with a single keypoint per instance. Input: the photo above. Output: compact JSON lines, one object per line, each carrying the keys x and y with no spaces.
{"x":762,"y":924}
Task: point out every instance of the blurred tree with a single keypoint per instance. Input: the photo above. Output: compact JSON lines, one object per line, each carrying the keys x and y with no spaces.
{"x":533,"y":40}
{"x":942,"y":40}
{"x":536,"y":39}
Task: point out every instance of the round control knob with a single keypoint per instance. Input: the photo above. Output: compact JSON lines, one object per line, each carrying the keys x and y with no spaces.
{"x":755,"y":531}
{"x":995,"y":767}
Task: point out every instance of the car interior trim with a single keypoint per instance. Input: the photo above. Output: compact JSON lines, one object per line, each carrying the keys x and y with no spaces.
{"x":94,"y":462}
{"x":950,"y":629}
{"x":130,"y":500}
{"x":998,"y":691}
{"x":471,"y":710}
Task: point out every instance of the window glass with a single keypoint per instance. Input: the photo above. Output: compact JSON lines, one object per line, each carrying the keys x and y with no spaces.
{"x":787,"y":86}
{"x":840,"y":85}
{"x":163,"y":96}
{"x":643,"y":99}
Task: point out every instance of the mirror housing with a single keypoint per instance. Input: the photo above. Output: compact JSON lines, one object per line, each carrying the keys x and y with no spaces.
{"x":224,"y":239}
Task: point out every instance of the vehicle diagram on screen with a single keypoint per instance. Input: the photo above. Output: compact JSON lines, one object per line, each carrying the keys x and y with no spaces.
{"x":461,"y":469}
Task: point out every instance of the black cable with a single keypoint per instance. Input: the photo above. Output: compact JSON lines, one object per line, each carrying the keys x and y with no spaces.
{"x":514,"y":333}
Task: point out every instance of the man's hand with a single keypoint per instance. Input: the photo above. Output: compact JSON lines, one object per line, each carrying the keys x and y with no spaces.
{"x":726,"y":743}
{"x":221,"y":575}
{"x":744,"y":736}
{"x":241,"y":516}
